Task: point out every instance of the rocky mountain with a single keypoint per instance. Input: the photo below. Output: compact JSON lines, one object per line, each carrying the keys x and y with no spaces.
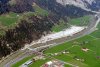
{"x":59,"y":8}
{"x":95,"y":5}
{"x":54,"y":5}
{"x":26,"y":5}
{"x":84,"y":4}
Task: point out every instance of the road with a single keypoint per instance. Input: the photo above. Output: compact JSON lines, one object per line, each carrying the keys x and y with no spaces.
{"x":19,"y":55}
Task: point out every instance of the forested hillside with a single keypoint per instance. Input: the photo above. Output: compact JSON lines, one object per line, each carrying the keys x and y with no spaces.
{"x":28,"y":29}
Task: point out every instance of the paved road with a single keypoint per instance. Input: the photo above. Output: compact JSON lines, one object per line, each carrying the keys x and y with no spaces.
{"x":22,"y":54}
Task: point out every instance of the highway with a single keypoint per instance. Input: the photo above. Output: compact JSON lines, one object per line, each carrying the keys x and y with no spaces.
{"x":20,"y":54}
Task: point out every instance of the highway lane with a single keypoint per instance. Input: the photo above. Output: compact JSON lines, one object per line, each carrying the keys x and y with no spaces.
{"x":90,"y":29}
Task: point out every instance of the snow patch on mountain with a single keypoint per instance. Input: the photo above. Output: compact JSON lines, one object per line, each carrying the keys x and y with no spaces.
{"x":89,"y":1}
{"x":78,"y":3}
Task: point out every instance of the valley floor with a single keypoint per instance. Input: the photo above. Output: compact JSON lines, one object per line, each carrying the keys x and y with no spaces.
{"x":72,"y":51}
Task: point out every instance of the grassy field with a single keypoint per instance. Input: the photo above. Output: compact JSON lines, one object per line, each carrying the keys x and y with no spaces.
{"x":70,"y":59}
{"x":40,"y":11}
{"x":80,"y":21}
{"x":35,"y":64}
{"x":67,"y":65}
{"x":59,"y":27}
{"x":75,"y":49}
{"x":39,"y":63}
{"x":7,"y":21}
{"x":10,"y":19}
{"x":97,"y":32}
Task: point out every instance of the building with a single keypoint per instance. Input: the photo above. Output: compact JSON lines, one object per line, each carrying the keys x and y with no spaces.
{"x":53,"y":63}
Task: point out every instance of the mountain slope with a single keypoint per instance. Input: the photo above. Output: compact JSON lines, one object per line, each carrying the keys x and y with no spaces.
{"x":20,"y":6}
{"x":34,"y":24}
{"x":28,"y":29}
{"x":62,"y":11}
{"x":84,"y":4}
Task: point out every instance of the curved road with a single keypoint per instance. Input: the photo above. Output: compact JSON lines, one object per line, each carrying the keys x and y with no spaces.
{"x":19,"y":55}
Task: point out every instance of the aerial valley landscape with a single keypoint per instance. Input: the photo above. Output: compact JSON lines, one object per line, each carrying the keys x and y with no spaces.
{"x":49,"y":33}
